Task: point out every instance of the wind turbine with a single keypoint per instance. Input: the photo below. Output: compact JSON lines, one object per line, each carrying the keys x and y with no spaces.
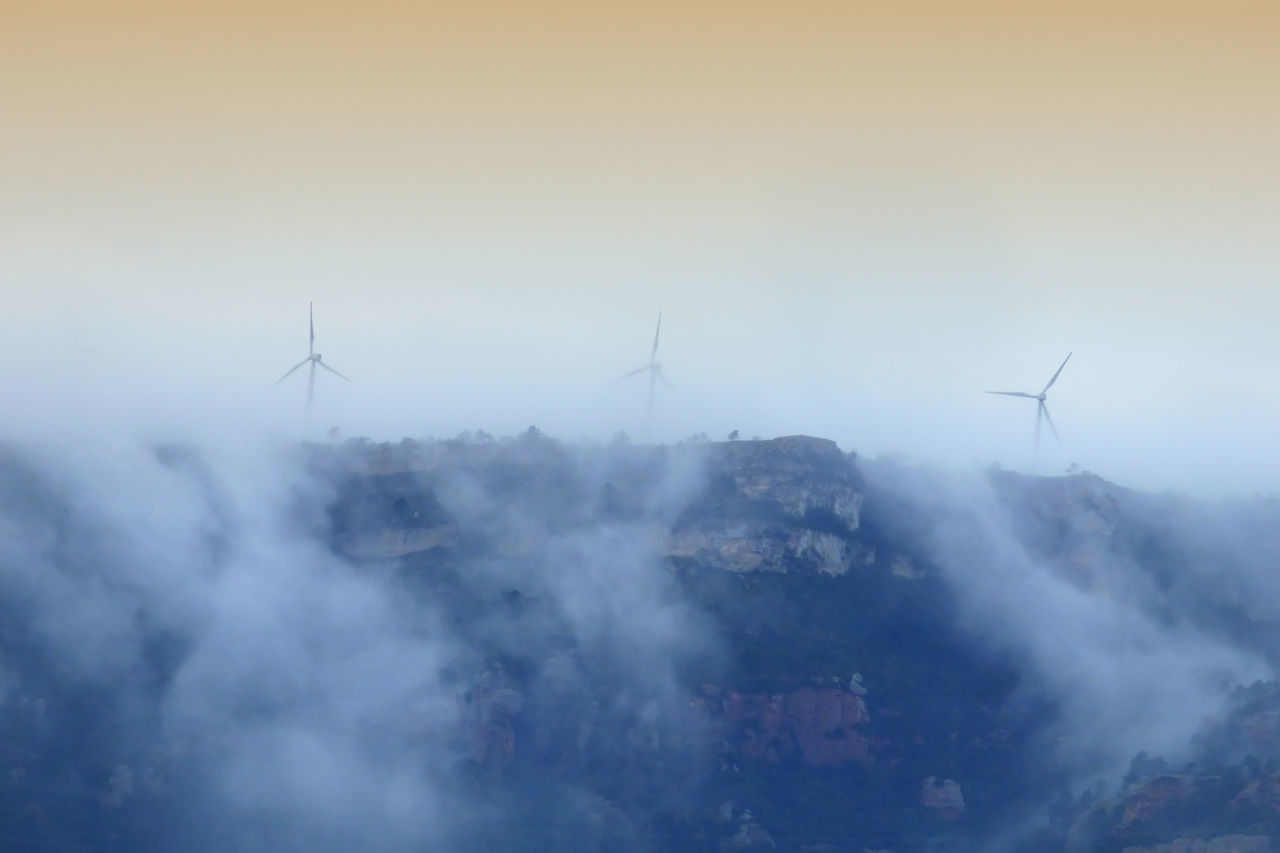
{"x":313,"y":358}
{"x":654,"y":367}
{"x":1042,"y":411}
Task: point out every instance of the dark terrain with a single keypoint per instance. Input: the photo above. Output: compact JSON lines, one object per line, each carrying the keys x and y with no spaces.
{"x":526,"y":645}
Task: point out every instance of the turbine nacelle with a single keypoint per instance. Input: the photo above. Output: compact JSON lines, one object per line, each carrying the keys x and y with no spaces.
{"x":653,"y":368}
{"x":1042,"y":411}
{"x":313,"y":358}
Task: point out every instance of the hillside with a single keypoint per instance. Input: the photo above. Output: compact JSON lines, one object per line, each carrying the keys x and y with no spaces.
{"x":527,"y":645}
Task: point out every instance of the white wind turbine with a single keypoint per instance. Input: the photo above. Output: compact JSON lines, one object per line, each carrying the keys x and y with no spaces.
{"x":1042,"y":411}
{"x":313,"y":358}
{"x":654,"y":367}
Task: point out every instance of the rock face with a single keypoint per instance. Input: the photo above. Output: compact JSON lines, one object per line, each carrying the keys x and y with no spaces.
{"x":643,"y":648}
{"x":744,"y":547}
{"x":942,"y":797}
{"x":811,"y":572}
{"x":815,"y":725}
{"x":786,"y":505}
{"x":1153,"y":799}
{"x":796,"y":473}
{"x":1181,"y":814}
{"x":1135,"y":812}
{"x":1076,"y":517}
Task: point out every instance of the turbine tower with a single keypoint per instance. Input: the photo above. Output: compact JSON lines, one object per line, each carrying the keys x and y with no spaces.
{"x":313,"y":358}
{"x":1042,"y":411}
{"x":654,"y":367}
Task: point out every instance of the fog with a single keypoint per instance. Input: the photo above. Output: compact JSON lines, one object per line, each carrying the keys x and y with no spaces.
{"x":892,"y":359}
{"x":189,"y":664}
{"x":1134,"y":652}
{"x":854,"y":225}
{"x":855,"y":220}
{"x":868,"y":290}
{"x":190,"y":656}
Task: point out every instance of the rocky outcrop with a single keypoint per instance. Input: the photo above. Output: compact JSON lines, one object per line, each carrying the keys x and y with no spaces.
{"x":797,"y":473}
{"x":1154,"y":799}
{"x":746,"y":547}
{"x":1071,"y":521}
{"x":787,"y":505}
{"x":816,"y":726}
{"x":1164,"y":808}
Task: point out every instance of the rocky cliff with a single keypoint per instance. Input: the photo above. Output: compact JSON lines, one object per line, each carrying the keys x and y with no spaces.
{"x":787,"y":505}
{"x":841,"y":682}
{"x":709,"y":646}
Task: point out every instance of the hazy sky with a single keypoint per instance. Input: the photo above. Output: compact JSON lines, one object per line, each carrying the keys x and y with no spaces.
{"x":855,"y":216}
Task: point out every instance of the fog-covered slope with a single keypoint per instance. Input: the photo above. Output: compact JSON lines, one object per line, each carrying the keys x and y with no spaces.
{"x":529,"y":645}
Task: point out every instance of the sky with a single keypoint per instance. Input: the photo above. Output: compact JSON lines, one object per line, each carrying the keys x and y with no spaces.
{"x":855,"y":218}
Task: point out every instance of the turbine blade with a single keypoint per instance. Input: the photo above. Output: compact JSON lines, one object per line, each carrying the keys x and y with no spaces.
{"x":1014,"y":394}
{"x":1049,"y":421}
{"x":295,"y":367}
{"x":663,"y":377}
{"x":1055,"y":375}
{"x":656,"y":332}
{"x":311,"y":318}
{"x":330,"y":369}
{"x":632,"y":373}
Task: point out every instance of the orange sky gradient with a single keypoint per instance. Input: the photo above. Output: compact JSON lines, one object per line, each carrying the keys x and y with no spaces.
{"x":722,"y":106}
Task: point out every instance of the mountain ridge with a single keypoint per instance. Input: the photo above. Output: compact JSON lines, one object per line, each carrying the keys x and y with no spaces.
{"x":767,"y":644}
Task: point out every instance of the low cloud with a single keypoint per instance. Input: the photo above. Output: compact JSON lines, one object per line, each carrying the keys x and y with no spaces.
{"x":1050,"y":572}
{"x":177,"y":620}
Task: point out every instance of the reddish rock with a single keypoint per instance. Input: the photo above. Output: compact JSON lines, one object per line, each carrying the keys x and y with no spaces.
{"x":1152,"y":799}
{"x":755,"y":726}
{"x":823,"y":724}
{"x":817,"y":723}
